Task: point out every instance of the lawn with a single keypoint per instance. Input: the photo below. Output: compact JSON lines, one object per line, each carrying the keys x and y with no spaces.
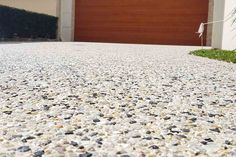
{"x":224,"y":55}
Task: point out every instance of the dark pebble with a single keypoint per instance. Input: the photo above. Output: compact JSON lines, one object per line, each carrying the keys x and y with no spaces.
{"x":44,"y":97}
{"x":148,"y":132}
{"x":137,"y":136}
{"x":7,"y":112}
{"x":124,"y":156}
{"x":228,"y":142}
{"x":126,"y":131}
{"x":175,"y":144}
{"x":93,"y":134}
{"x":167,"y":118}
{"x":174,"y":131}
{"x":16,"y":136}
{"x":208,"y":140}
{"x":112,"y":107}
{"x":132,"y":122}
{"x":171,"y":127}
{"x":96,"y":120}
{"x":95,"y":95}
{"x":69,"y":132}
{"x":112,"y":123}
{"x":50,"y":98}
{"x":154,"y":147}
{"x":170,"y":134}
{"x":123,"y":105}
{"x":86,"y":155}
{"x":46,"y":107}
{"x":211,"y":115}
{"x":68,"y":117}
{"x":210,"y":121}
{"x":129,"y":115}
{"x":185,"y":130}
{"x":99,"y":140}
{"x":24,"y":149}
{"x":29,"y":138}
{"x":152,"y":103}
{"x":147,"y":138}
{"x":109,"y":118}
{"x":215,"y":130}
{"x":73,"y":143}
{"x":79,"y":134}
{"x":188,"y":113}
{"x":85,"y":139}
{"x":193,"y":119}
{"x":86,"y":130}
{"x":101,"y":115}
{"x":140,"y":98}
{"x":81,"y":147}
{"x":200,"y":106}
{"x":204,"y":142}
{"x":47,"y":142}
{"x":14,"y":95}
{"x":39,"y":134}
{"x":182,"y":136}
{"x":234,"y":129}
{"x":39,"y":153}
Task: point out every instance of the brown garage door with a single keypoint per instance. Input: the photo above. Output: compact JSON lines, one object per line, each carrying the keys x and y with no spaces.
{"x":140,"y":21}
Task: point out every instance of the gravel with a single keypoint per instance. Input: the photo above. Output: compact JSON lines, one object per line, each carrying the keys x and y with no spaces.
{"x":90,"y":99}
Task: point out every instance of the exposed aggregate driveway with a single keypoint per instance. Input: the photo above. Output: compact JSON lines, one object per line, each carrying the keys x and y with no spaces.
{"x":88,"y":99}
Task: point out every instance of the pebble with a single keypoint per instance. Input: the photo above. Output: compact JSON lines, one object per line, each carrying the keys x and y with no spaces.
{"x":86,"y":155}
{"x":23,"y":149}
{"x":133,"y":122}
{"x":69,"y":132}
{"x":46,"y":107}
{"x":216,"y":130}
{"x":208,"y":140}
{"x":7,"y":112}
{"x":154,"y":147}
{"x":228,"y":142}
{"x":204,"y":142}
{"x":73,"y":143}
{"x":39,"y":153}
{"x":96,"y":120}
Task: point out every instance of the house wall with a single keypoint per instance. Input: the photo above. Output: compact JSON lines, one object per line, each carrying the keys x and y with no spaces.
{"x":229,"y":35}
{"x":224,"y":37}
{"x":210,"y":18}
{"x":66,"y":26}
{"x":50,"y":7}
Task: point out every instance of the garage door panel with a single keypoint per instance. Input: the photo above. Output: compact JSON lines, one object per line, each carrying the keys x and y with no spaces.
{"x":145,"y":23}
{"x":140,"y":21}
{"x":142,"y":29}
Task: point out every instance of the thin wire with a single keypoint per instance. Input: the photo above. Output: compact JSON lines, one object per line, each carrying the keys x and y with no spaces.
{"x":228,"y":17}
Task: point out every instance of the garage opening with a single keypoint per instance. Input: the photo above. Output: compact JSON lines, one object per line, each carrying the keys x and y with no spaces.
{"x":140,"y":21}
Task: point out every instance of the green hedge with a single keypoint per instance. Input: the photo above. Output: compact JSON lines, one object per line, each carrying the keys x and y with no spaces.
{"x":17,"y":23}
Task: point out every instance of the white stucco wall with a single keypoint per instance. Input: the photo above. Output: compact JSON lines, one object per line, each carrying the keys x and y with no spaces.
{"x":67,"y":20}
{"x":223,"y":36}
{"x":229,"y":35}
{"x":49,"y":7}
{"x":210,"y":18}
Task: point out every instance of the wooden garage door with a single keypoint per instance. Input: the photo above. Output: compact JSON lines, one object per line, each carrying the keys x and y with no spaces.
{"x":140,"y":21}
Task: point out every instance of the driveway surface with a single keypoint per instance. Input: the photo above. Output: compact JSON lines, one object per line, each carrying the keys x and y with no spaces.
{"x":81,"y":99}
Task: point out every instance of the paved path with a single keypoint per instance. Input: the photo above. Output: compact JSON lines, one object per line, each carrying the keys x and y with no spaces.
{"x":71,"y":99}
